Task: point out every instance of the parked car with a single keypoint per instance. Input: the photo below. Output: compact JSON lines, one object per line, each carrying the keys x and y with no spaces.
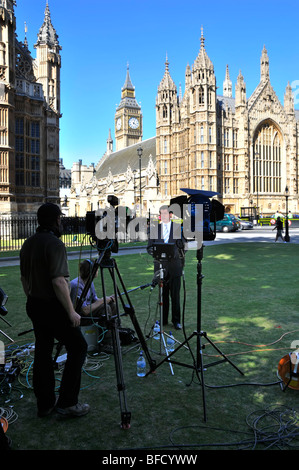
{"x":245,"y":224}
{"x":228,"y":224}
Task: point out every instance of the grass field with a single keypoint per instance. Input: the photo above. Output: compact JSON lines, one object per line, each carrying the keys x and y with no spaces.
{"x":249,"y":310}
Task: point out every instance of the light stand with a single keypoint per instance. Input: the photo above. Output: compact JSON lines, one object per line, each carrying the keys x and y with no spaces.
{"x":198,"y":366}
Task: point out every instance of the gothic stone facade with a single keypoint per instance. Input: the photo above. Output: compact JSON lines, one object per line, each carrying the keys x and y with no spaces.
{"x":119,"y":172}
{"x":29,"y":116}
{"x":243,"y":149}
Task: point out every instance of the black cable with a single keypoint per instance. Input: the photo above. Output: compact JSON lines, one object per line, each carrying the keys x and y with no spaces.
{"x":237,"y":384}
{"x":270,"y":428}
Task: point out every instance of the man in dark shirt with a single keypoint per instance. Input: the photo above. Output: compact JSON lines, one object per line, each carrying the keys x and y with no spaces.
{"x":45,"y":280}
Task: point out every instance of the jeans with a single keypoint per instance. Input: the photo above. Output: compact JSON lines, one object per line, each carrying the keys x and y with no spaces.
{"x":50,"y":323}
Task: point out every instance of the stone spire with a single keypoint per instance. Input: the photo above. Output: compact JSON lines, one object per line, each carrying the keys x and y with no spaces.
{"x":25,"y":39}
{"x":167,"y":83}
{"x":240,"y":99}
{"x":264,"y":65}
{"x":128,"y":99}
{"x":167,"y":100}
{"x":289,"y":101}
{"x":202,"y":62}
{"x":48,"y":62}
{"x":227,"y":85}
{"x":109,"y":143}
{"x":128,"y":83}
{"x":47,"y":33}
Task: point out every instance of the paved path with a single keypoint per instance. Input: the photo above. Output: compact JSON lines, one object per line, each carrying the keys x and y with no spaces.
{"x":258,"y":234}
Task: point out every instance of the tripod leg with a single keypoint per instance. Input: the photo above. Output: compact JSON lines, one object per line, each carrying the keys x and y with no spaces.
{"x":134,"y":320}
{"x":125,"y":414}
{"x":6,"y":336}
{"x":200,"y":367}
{"x":225,"y":358}
{"x":162,"y":339}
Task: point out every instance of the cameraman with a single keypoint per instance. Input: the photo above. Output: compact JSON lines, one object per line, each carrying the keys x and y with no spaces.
{"x":173,"y":268}
{"x":44,"y":276}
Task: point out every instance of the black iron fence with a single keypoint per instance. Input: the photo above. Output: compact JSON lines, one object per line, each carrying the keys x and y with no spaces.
{"x":14,"y":230}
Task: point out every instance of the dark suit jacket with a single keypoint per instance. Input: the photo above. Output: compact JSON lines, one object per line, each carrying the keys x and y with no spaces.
{"x":173,"y":267}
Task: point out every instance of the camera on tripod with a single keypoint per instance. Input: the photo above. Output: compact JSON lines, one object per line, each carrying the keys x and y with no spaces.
{"x":107,"y":226}
{"x":200,"y":211}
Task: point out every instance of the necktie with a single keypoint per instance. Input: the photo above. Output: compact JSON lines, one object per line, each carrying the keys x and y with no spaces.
{"x":165,"y":233}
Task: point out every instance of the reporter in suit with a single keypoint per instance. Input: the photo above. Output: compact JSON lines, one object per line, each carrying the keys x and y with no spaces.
{"x":173,"y":268}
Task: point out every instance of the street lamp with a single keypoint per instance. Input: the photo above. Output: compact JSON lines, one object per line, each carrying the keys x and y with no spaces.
{"x":287,"y":238}
{"x":139,"y":153}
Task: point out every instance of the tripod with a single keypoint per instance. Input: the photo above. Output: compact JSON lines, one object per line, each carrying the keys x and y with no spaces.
{"x":198,"y":366}
{"x":104,"y":262}
{"x":4,"y":334}
{"x":161,"y":332}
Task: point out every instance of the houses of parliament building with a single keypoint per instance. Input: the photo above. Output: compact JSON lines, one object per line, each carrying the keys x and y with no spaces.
{"x":244,"y":148}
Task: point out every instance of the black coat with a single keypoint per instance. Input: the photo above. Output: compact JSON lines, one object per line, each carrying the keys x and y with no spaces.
{"x":174,"y":266}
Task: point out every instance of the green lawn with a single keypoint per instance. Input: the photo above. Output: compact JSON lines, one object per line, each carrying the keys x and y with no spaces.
{"x":249,"y":310}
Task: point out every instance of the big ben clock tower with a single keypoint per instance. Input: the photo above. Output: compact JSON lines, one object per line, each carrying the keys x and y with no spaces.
{"x":128,"y":117}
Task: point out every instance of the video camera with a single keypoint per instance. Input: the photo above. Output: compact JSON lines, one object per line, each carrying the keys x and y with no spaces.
{"x":106,"y":226}
{"x":103,"y":231}
{"x":212,"y":210}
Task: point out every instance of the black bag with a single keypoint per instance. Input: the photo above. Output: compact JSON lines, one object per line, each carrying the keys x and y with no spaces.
{"x":127,"y":336}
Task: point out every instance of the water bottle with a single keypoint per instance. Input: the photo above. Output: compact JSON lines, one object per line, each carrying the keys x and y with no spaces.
{"x":156,"y":330}
{"x":170,"y":342}
{"x":141,"y":365}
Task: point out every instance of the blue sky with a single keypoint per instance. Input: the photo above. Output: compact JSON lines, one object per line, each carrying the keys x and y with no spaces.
{"x":99,"y":38}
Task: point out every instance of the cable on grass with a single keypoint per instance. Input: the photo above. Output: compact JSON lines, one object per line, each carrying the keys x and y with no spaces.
{"x":260,"y":347}
{"x":272,"y":428}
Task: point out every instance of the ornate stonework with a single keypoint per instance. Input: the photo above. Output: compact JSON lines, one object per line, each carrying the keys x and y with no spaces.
{"x":243,"y":148}
{"x":223,"y":144}
{"x":29,"y":116}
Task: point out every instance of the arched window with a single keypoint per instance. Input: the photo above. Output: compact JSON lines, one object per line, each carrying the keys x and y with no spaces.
{"x":201,"y":95}
{"x":267,"y":159}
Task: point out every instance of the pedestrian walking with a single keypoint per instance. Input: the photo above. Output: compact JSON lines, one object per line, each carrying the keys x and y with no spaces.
{"x":279,"y":229}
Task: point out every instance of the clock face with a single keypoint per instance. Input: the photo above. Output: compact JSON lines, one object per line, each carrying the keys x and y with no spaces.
{"x":133,"y":123}
{"x":118,"y":124}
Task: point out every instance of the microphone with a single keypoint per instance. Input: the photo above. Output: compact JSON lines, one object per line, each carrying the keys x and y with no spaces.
{"x":155,"y":280}
{"x":179,"y":243}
